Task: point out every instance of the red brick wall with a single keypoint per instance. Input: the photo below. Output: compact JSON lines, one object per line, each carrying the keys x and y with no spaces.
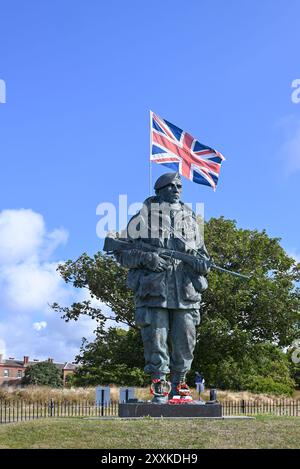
{"x":12,"y":373}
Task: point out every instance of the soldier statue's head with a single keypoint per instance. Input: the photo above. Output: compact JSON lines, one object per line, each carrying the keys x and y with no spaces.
{"x":168,"y":188}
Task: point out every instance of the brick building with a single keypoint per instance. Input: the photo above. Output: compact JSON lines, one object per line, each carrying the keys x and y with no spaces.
{"x":12,"y":370}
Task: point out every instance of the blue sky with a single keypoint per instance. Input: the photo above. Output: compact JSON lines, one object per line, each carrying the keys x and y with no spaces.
{"x":81,"y":78}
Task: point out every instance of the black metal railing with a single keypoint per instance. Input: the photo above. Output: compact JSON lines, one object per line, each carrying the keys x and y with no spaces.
{"x":21,"y":410}
{"x":286,"y":407}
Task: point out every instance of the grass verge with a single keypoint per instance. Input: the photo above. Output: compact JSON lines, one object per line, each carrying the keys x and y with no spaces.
{"x":261,"y":432}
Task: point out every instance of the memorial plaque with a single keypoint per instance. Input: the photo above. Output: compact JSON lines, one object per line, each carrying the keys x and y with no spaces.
{"x":102,"y":395}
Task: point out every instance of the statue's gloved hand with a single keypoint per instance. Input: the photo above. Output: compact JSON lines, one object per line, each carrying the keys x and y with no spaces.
{"x":155,"y":262}
{"x":201,"y":267}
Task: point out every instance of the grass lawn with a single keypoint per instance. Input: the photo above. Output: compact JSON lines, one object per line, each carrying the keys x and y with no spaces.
{"x":261,"y":432}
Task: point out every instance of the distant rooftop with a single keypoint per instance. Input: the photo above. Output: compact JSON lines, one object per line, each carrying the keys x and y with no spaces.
{"x":12,"y":362}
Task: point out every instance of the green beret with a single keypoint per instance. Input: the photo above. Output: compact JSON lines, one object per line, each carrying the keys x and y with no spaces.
{"x":166,"y":179}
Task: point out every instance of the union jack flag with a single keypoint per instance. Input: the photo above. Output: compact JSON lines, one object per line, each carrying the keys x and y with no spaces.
{"x":180,"y":151}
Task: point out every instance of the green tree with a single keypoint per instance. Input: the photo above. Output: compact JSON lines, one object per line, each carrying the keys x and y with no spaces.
{"x":238,"y":316}
{"x":267,"y":305}
{"x":245,"y":324}
{"x":116,"y":356}
{"x":43,"y":374}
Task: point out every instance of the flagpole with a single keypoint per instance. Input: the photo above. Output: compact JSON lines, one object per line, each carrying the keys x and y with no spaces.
{"x":150,"y":153}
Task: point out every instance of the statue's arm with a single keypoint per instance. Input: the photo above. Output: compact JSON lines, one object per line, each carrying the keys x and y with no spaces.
{"x":138,"y":259}
{"x":202,"y":251}
{"x":202,"y":264}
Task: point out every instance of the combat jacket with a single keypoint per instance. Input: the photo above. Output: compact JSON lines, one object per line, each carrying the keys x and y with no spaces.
{"x":178,"y":286}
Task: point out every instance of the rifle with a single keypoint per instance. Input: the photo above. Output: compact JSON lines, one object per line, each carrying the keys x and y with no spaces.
{"x":114,"y":244}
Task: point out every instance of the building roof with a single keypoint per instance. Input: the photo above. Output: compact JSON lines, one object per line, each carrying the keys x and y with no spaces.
{"x":70,"y":366}
{"x":12,"y":362}
{"x":20,"y":363}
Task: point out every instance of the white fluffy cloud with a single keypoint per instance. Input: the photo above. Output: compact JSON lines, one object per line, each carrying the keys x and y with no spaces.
{"x":24,"y":238}
{"x":38,"y":326}
{"x":29,"y":282}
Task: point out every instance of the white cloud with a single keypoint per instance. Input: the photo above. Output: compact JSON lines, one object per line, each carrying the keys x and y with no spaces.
{"x":32,"y":286}
{"x":59,"y":340}
{"x":21,"y":235}
{"x":294,"y":254}
{"x":38,"y":326}
{"x":29,"y":282}
{"x":53,"y":240}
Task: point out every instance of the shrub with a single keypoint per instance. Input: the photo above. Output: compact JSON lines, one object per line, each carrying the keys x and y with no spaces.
{"x":263,"y":369}
{"x":267,"y":385}
{"x":43,"y":374}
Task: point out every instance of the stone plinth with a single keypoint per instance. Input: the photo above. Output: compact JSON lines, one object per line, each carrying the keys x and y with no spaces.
{"x":144,"y":409}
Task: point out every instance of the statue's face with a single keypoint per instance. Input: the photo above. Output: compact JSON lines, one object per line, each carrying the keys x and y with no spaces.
{"x":170,"y":193}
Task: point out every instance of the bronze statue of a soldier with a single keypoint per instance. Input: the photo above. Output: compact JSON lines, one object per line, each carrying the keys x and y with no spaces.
{"x":167,"y":289}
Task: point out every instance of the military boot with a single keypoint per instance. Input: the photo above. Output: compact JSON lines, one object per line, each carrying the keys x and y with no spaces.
{"x":175,"y":378}
{"x":179,"y":386}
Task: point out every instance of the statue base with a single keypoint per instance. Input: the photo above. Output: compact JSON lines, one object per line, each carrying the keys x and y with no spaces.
{"x":192,"y":409}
